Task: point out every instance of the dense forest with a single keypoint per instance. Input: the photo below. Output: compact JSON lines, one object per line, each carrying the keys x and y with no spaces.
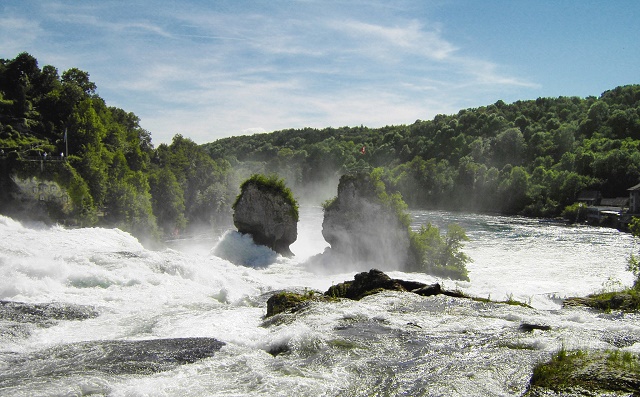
{"x":530,"y":157}
{"x":55,"y":127}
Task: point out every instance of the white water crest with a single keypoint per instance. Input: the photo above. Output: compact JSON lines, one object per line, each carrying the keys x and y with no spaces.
{"x":86,"y":290}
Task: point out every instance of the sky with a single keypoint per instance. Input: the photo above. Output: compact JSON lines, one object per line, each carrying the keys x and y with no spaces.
{"x":209,"y":69}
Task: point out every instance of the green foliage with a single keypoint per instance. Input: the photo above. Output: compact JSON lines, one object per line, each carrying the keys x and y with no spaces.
{"x":103,"y":171}
{"x":633,"y":264}
{"x":440,"y":255}
{"x":204,"y":183}
{"x":389,"y":200}
{"x":528,"y":157}
{"x":274,"y":184}
{"x":591,"y":371}
{"x":167,"y":201}
{"x":576,"y":212}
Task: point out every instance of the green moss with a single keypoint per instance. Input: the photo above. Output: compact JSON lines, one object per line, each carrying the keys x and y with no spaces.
{"x":627,"y":300}
{"x":509,"y":301}
{"x":274,"y":184}
{"x":327,"y":204}
{"x":339,"y":290}
{"x":596,"y":371}
{"x":284,"y":301}
{"x":342,"y":344}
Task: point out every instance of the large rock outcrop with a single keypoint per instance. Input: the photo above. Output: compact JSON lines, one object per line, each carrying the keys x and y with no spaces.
{"x":362,"y":228}
{"x":266,"y":210}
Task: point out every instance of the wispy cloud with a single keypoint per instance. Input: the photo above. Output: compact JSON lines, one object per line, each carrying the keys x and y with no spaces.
{"x":17,"y":32}
{"x":393,"y":41}
{"x":206,"y":73}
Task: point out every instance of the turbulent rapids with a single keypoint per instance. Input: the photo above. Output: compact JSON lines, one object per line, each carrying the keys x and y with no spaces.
{"x":92,"y":312}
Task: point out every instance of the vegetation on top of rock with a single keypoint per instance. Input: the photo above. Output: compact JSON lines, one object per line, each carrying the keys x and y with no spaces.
{"x":284,"y":301}
{"x":586,"y":372}
{"x":274,"y":184}
{"x":366,"y":223}
{"x":266,"y":210}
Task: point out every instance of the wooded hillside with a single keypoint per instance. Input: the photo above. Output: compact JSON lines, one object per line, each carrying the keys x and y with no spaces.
{"x":530,"y":157}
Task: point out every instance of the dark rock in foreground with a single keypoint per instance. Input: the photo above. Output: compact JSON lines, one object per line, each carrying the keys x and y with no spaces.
{"x":363,"y":284}
{"x":266,"y":210}
{"x":20,"y":319}
{"x":44,"y":312}
{"x":375,"y":281}
{"x":291,"y":301}
{"x":112,"y":357}
{"x":528,"y":327}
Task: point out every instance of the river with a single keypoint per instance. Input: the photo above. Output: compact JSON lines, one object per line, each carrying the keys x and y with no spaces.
{"x":92,"y":312}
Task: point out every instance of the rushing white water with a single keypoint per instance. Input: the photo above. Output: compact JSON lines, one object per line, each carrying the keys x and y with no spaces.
{"x":111,"y":289}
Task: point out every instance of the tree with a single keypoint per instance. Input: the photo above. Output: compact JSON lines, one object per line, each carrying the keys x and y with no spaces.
{"x":509,"y":147}
{"x":441,"y":256}
{"x":167,"y":201}
{"x":79,"y":78}
{"x":513,"y":190}
{"x":633,"y":264}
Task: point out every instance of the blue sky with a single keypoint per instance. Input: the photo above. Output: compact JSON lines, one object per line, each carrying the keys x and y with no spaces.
{"x":211,"y":69}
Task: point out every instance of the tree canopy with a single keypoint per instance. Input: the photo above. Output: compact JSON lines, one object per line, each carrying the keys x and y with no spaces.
{"x":529,"y":157}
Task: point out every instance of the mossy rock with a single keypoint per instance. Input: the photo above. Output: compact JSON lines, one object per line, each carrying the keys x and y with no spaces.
{"x":266,"y":210}
{"x":586,"y":373}
{"x":291,"y":301}
{"x":628,"y":301}
{"x":365,"y":284}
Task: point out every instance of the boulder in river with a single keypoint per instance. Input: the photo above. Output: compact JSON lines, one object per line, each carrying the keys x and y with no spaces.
{"x":364,"y":225}
{"x":114,"y":357}
{"x":374,"y":281}
{"x":266,"y":209}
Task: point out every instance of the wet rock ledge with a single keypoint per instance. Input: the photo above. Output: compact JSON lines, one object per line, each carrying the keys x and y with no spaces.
{"x":113,"y":357}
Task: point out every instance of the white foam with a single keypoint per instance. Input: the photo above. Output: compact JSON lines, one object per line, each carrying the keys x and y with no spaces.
{"x":144,"y":294}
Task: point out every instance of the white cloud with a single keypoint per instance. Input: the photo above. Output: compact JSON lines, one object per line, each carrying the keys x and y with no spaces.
{"x":17,"y":34}
{"x":412,"y":38}
{"x":207,"y":74}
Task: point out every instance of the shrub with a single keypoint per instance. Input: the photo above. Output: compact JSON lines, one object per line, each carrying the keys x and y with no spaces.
{"x":438,"y":255}
{"x":576,"y":212}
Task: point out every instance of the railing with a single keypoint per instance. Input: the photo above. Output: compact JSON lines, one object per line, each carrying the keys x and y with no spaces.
{"x":43,"y":158}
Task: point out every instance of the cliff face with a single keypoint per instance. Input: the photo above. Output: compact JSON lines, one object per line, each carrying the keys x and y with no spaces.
{"x":361,"y":228}
{"x":267,"y":216}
